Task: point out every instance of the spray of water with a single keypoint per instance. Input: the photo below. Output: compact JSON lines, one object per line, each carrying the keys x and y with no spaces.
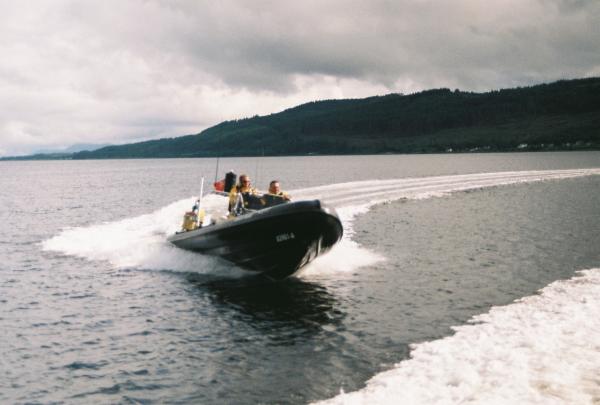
{"x":542,"y":349}
{"x":140,"y":242}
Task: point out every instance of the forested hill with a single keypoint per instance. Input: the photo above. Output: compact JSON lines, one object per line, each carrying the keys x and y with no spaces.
{"x":558,"y":116}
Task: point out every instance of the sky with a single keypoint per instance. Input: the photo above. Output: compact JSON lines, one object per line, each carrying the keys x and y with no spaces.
{"x":121,"y":71}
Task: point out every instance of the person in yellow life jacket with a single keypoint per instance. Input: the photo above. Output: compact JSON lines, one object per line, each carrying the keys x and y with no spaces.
{"x":275,"y":196}
{"x":246,"y":192}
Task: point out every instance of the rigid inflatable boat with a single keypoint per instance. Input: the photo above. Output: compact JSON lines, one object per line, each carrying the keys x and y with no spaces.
{"x":275,"y":241}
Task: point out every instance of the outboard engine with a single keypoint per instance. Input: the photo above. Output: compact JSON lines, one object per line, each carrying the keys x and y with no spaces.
{"x":230,"y":180}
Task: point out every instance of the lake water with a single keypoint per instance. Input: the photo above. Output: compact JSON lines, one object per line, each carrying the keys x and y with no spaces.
{"x":460,"y":278}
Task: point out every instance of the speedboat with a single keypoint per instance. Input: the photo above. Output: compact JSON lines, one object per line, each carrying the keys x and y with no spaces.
{"x":276,"y":241}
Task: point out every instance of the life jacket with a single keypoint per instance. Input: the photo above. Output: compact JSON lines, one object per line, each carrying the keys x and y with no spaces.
{"x":274,"y":199}
{"x":251,"y":200}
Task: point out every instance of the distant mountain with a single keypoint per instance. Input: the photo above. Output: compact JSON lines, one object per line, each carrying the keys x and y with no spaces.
{"x":41,"y":156}
{"x":62,"y":153}
{"x":563,"y":115}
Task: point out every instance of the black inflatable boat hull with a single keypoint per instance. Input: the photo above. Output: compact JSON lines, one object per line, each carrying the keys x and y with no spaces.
{"x":276,"y":241}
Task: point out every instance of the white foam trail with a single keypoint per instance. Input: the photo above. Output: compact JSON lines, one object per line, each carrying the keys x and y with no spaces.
{"x":140,"y":242}
{"x":374,"y":191}
{"x":347,"y":256}
{"x":542,"y":349}
{"x":354,"y":198}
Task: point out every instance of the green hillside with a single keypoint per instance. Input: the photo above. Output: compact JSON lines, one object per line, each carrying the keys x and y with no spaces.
{"x":564,"y":115}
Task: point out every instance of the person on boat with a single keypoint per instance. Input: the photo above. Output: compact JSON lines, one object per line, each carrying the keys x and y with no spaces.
{"x":243,"y":196}
{"x":275,"y":196}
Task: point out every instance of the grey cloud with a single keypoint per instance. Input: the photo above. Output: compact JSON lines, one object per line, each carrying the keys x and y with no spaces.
{"x":384,"y":41}
{"x":113,"y":71}
{"x":261,"y":45}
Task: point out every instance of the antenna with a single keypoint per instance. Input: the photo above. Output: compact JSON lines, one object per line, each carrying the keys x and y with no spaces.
{"x":256,"y":173}
{"x":258,"y":167}
{"x":217,"y":169}
{"x":199,"y":221}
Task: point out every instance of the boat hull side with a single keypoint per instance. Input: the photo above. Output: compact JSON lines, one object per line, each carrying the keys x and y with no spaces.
{"x":277,"y":245}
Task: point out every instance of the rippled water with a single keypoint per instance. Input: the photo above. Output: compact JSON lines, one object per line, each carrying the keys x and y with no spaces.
{"x":96,"y":306}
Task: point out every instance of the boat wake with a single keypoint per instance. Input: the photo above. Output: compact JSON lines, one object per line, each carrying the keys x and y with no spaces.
{"x":542,"y":349}
{"x":140,"y":242}
{"x":355,"y":198}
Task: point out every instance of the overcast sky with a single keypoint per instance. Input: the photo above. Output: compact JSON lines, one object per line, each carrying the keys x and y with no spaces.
{"x":127,"y":70}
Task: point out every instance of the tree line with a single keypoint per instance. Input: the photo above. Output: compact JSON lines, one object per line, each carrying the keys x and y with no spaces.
{"x":557,"y":116}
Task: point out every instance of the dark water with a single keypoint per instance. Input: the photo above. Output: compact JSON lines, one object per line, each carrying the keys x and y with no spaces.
{"x":80,"y":329}
{"x":454,"y":257}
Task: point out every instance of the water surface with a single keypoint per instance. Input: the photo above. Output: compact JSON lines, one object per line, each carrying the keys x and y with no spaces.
{"x":96,"y":306}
